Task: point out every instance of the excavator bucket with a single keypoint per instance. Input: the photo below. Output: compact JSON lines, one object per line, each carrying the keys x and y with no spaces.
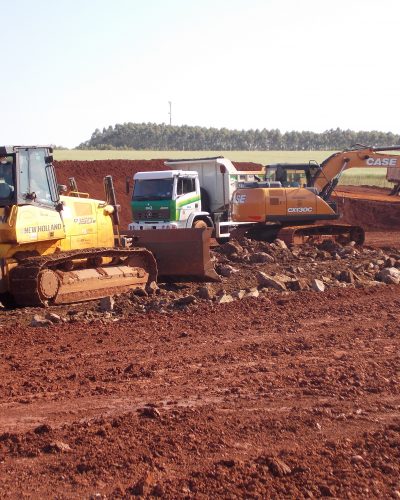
{"x":183,"y":254}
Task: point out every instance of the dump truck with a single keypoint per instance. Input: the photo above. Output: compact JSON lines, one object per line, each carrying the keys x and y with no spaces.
{"x":58,"y":247}
{"x":194,"y":193}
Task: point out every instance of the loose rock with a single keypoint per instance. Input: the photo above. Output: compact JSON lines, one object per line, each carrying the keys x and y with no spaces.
{"x":54,"y":318}
{"x":317,"y":285}
{"x":225,"y":270}
{"x":183,"y":301}
{"x":225,"y":299}
{"x":57,"y":447}
{"x":38,"y":321}
{"x":205,"y":292}
{"x":149,"y":412}
{"x":265,"y":280}
{"x":107,"y":304}
{"x":281,"y":244}
{"x":278,"y":467}
{"x":261,"y":257}
{"x":389,"y":275}
{"x":253,"y":293}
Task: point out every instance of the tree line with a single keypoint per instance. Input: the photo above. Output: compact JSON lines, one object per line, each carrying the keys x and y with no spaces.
{"x":162,"y":137}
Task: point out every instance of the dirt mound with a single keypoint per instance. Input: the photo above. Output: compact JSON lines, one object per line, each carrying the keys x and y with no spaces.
{"x":89,"y":176}
{"x":369,"y":207}
{"x":246,"y":166}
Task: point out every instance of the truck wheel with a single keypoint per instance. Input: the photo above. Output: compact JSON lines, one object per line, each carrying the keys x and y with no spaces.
{"x":199,"y":224}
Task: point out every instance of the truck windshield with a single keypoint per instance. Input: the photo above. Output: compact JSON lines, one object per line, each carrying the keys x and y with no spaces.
{"x":6,"y":178}
{"x":152,"y":189}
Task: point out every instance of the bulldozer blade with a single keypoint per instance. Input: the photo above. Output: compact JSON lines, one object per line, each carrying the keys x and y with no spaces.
{"x":179,"y":253}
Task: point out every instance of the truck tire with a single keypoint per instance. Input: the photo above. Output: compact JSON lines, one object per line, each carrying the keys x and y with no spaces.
{"x":199,"y":224}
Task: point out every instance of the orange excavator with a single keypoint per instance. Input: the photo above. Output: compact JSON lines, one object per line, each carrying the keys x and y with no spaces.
{"x":295,"y":199}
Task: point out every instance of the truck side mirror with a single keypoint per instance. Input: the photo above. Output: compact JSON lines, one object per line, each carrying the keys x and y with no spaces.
{"x":48,"y":159}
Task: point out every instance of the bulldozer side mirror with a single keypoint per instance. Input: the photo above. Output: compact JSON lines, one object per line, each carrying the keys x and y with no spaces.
{"x":127,"y":185}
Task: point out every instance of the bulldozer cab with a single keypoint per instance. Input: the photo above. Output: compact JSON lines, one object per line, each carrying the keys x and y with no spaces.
{"x":27,"y":177}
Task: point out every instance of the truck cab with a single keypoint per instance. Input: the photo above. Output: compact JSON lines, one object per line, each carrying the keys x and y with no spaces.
{"x":194,"y":193}
{"x":167,"y":199}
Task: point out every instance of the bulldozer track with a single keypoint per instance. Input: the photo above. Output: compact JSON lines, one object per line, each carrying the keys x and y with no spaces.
{"x":24,"y":278}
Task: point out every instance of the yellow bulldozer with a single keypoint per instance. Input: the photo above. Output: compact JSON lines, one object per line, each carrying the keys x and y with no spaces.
{"x":60,"y":247}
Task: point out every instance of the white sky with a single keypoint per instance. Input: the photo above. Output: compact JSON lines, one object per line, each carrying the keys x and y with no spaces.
{"x":71,"y":66}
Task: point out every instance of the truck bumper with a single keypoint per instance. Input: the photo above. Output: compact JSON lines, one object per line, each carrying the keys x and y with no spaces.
{"x":141,"y":226}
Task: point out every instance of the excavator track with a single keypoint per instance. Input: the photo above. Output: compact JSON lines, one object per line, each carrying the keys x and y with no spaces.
{"x":299,"y":235}
{"x":79,"y":275}
{"x":343,"y":233}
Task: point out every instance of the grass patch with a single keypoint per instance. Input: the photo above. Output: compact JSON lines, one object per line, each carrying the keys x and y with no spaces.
{"x":365,"y":177}
{"x":263,"y":157}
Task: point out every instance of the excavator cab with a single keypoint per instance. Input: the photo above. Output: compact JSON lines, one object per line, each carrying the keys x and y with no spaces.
{"x":290,"y":174}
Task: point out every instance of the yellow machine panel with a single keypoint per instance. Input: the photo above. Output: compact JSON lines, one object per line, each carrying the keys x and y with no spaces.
{"x":87,"y":223}
{"x":31,"y":224}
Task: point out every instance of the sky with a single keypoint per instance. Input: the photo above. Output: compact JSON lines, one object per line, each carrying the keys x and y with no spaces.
{"x":71,"y":66}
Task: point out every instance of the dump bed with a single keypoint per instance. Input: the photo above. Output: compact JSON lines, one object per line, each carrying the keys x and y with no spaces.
{"x":217,"y":175}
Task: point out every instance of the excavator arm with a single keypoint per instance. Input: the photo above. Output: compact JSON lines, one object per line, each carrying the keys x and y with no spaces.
{"x":330,"y":170}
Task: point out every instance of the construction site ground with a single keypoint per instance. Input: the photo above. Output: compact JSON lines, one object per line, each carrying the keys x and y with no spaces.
{"x":281,"y":380}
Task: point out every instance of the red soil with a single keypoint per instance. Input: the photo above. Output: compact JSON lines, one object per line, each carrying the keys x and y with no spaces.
{"x":369,"y":207}
{"x":203,"y":403}
{"x":290,"y":395}
{"x":89,"y":176}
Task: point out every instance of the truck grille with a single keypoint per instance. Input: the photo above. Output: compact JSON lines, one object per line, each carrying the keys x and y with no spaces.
{"x":148,"y":215}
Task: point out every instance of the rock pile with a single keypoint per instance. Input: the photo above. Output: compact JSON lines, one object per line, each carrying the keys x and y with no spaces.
{"x":250,"y":269}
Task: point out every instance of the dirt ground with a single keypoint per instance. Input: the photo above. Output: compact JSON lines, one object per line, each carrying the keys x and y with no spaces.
{"x":279,"y":394}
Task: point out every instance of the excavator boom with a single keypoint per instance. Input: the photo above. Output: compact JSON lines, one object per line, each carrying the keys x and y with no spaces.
{"x":362,"y":156}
